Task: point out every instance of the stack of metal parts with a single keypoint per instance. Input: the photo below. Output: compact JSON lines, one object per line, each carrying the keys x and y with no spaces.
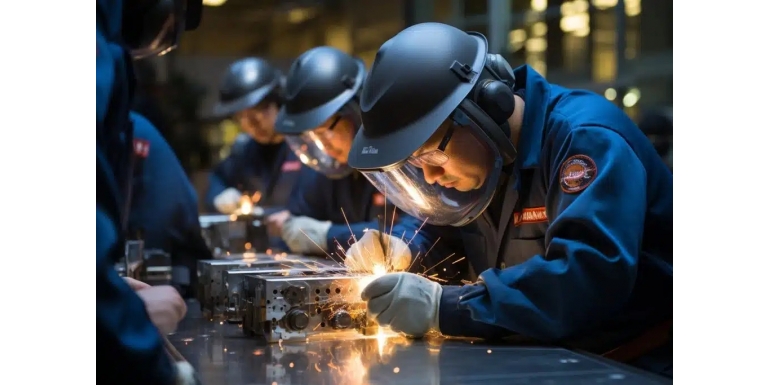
{"x":212,"y":292}
{"x":148,"y":265}
{"x":233,"y":234}
{"x":235,"y":284}
{"x":283,"y":297}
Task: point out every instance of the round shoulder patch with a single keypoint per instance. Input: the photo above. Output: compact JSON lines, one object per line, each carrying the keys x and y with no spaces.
{"x":577,"y":173}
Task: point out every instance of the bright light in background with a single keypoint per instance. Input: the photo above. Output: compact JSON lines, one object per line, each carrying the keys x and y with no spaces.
{"x":539,"y":5}
{"x":610,"y":94}
{"x":632,"y":97}
{"x":213,"y":3}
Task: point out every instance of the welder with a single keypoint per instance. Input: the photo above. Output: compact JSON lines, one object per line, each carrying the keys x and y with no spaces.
{"x":164,"y":205}
{"x":129,"y":345}
{"x":563,"y":205}
{"x":331,"y":203}
{"x":259,"y":162}
{"x":657,"y":124}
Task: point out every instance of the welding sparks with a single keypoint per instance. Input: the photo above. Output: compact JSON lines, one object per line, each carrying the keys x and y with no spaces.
{"x":377,"y":271}
{"x":246,"y":205}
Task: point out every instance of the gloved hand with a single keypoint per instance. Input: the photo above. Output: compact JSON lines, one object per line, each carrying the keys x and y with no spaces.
{"x":406,"y":302}
{"x":227,"y":201}
{"x":275,"y":222}
{"x":305,"y":235}
{"x":368,"y":252}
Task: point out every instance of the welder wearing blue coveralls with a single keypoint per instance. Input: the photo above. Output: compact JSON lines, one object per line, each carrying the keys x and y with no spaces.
{"x":332,"y":203}
{"x":164,"y":205}
{"x":563,"y":205}
{"x":260,"y":162}
{"x":129,"y":345}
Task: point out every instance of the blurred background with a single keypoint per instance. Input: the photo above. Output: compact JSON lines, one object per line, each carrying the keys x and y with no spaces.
{"x":622,"y":49}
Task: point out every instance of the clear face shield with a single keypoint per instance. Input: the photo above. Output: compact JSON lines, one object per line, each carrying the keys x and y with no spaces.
{"x":160,"y":32}
{"x":450,"y":180}
{"x":325,"y":149}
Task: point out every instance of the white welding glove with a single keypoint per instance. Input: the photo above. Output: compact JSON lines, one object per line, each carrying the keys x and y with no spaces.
{"x":393,"y":253}
{"x":305,"y":235}
{"x":227,"y":201}
{"x":406,"y":302}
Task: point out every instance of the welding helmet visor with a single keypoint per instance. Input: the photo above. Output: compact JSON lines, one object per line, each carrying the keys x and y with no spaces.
{"x":324,"y":147}
{"x":449,"y":180}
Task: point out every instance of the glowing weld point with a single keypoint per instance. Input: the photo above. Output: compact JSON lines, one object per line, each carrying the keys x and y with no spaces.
{"x":489,"y":351}
{"x":377,"y":271}
{"x":382,"y":340}
{"x":396,"y":369}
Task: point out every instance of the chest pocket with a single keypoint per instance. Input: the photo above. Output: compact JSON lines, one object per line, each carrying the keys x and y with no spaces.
{"x":525,"y":237}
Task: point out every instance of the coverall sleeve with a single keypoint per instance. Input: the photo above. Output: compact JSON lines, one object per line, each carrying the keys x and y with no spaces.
{"x":130,"y":347}
{"x":307,"y":196}
{"x":219,"y":180}
{"x":310,"y":198}
{"x":592,"y":246}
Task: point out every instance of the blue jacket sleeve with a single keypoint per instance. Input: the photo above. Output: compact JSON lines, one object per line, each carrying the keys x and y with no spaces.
{"x":219,"y":180}
{"x":437,"y":251}
{"x":307,"y":196}
{"x":309,"y":199}
{"x":130,"y":347}
{"x":592,"y":245}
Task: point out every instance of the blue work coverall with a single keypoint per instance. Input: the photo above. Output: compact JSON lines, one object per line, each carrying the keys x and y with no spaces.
{"x":270,"y":169}
{"x":325,"y":199}
{"x":129,"y":347}
{"x":577,"y":245}
{"x":164,"y":205}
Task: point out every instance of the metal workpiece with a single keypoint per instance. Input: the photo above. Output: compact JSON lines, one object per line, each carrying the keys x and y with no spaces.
{"x":223,"y":356}
{"x":236,"y":233}
{"x":212,"y":293}
{"x":235,"y":284}
{"x":290,"y":308}
{"x":148,"y":265}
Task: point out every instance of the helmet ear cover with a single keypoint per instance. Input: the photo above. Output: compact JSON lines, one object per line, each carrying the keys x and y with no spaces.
{"x":490,"y":103}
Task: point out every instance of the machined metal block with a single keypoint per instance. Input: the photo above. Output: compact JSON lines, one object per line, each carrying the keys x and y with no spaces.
{"x":211,"y":288}
{"x":235,"y":284}
{"x":298,"y":307}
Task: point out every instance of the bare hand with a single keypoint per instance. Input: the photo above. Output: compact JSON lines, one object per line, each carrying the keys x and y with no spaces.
{"x":164,"y":305}
{"x":275,"y":223}
{"x":136,"y":285}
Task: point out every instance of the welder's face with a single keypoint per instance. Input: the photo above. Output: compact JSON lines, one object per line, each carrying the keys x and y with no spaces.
{"x":336,"y":136}
{"x":259,"y":123}
{"x":464,"y":163}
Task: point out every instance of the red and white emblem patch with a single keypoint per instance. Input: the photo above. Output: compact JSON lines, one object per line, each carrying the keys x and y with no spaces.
{"x":577,"y":173}
{"x":141,"y":148}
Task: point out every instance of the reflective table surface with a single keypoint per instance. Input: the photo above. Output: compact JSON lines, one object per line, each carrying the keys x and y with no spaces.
{"x":223,"y":355}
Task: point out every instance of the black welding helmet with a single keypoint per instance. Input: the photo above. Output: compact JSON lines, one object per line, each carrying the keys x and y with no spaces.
{"x":246,"y":84}
{"x":322,"y":87}
{"x":154,"y":27}
{"x":432,"y":101}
